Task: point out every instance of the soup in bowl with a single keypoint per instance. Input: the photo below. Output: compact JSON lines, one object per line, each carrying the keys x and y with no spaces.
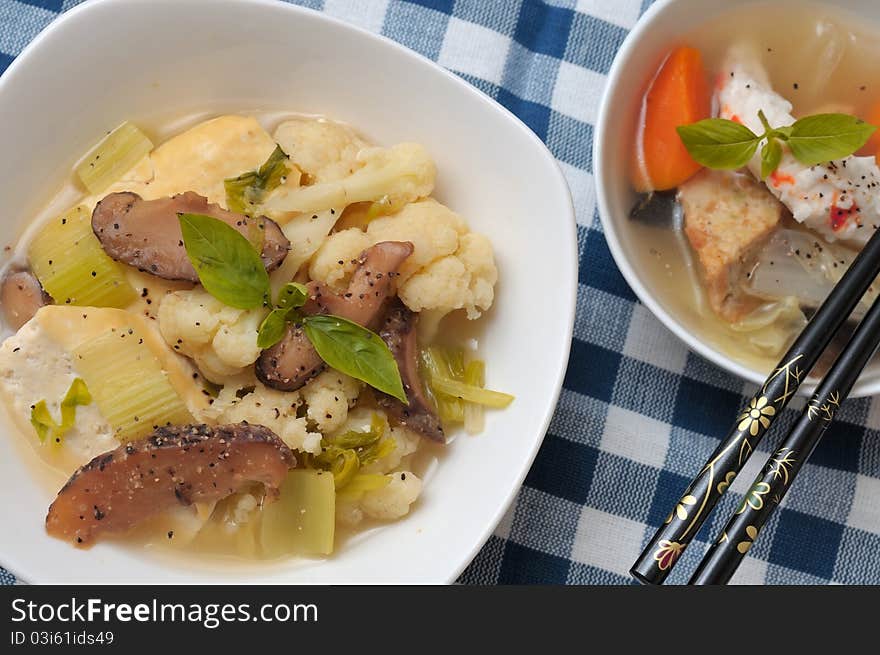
{"x":736,"y":169}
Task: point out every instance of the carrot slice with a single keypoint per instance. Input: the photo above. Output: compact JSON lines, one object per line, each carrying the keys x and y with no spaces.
{"x":678,"y":95}
{"x":872,"y":147}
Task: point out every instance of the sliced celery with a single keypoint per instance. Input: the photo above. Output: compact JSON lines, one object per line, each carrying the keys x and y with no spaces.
{"x":303,"y":519}
{"x":434,"y":364}
{"x":73,"y":268}
{"x":116,"y":154}
{"x":128,"y":384}
{"x":471,"y":393}
{"x":474,"y":416}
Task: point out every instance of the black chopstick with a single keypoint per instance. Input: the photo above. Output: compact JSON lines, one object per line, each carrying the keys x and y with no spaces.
{"x":701,"y":496}
{"x":778,"y":474}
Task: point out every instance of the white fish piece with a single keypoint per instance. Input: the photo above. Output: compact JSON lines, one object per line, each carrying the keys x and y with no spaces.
{"x":838,"y":199}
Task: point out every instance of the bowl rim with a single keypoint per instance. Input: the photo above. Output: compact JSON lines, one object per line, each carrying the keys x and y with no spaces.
{"x":569,"y":258}
{"x":626,"y":52}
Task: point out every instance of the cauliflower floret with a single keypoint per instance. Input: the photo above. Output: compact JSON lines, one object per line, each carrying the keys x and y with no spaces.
{"x":450,"y":268}
{"x":394,"y":499}
{"x":433,"y":229}
{"x":334,"y":262}
{"x":329,"y":397}
{"x":221,"y":340}
{"x":403,"y":173}
{"x":464,"y":280}
{"x":324,"y":401}
{"x":324,"y":150}
{"x":406,"y":443}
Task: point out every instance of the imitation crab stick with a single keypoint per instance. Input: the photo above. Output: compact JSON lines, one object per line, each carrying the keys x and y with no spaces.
{"x":678,"y":95}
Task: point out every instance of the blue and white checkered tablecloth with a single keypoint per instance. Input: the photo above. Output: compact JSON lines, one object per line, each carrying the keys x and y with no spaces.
{"x":639,"y":413}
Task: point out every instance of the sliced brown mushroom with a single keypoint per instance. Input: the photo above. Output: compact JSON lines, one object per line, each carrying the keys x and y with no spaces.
{"x":399,"y":333}
{"x":292,"y":362}
{"x":146,"y":233}
{"x":177,"y":465}
{"x":21,"y":295}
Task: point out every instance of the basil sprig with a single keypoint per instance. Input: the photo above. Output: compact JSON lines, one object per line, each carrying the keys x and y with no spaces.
{"x":354,"y":350}
{"x":292,"y":296}
{"x":724,"y":144}
{"x":230,"y":269}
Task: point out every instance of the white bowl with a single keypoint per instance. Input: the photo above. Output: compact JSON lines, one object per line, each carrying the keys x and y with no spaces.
{"x":662,"y":26}
{"x":176,"y":57}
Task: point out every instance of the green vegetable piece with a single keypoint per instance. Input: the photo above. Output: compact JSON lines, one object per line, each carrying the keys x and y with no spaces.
{"x":77,"y":394}
{"x":719,"y":143}
{"x":472,"y":394}
{"x":771,"y":155}
{"x":42,"y":420}
{"x":825,"y":137}
{"x":246,"y":191}
{"x":361,"y":484}
{"x":303,"y":519}
{"x":272,"y":329}
{"x":355,"y":351}
{"x":117,"y":153}
{"x":227,"y":264}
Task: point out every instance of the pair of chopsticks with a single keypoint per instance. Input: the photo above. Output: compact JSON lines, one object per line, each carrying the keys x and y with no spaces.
{"x":778,"y":474}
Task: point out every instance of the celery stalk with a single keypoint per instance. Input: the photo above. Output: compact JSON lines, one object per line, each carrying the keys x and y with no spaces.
{"x":116,"y":154}
{"x":471,"y":393}
{"x":73,"y":268}
{"x":474,"y":416}
{"x":303,"y":519}
{"x":435,"y":364}
{"x":128,"y":384}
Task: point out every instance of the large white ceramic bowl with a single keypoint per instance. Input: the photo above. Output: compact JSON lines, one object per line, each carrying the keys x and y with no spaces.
{"x":663,"y":26}
{"x":110,"y":60}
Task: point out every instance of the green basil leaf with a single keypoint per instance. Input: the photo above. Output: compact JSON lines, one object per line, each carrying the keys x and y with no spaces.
{"x":719,"y":143}
{"x":355,"y":351}
{"x":272,"y":328}
{"x":247,"y":190}
{"x":292,"y":295}
{"x":77,"y":394}
{"x":42,"y":420}
{"x":771,"y":155}
{"x":824,"y":137}
{"x":227,"y":265}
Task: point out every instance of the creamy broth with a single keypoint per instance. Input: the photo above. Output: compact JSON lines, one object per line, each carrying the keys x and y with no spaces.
{"x":822,"y":60}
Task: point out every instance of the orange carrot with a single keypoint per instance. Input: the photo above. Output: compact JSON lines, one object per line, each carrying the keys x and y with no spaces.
{"x":678,"y":95}
{"x":872,"y":147}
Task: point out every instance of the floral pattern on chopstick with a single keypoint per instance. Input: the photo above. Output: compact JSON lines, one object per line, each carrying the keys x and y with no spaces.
{"x":825,"y":411}
{"x":752,"y":423}
{"x":668,"y":553}
{"x":751,"y":534}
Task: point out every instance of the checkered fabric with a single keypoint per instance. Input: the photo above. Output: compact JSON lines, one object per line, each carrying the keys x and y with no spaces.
{"x":639,"y":413}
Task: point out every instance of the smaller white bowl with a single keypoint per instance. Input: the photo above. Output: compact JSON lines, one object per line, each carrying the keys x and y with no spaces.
{"x":661,"y":27}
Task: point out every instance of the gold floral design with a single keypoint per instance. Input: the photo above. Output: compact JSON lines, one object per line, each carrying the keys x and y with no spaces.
{"x":752,"y":533}
{"x":782,"y":462}
{"x":754,"y":497}
{"x":668,"y":553}
{"x":756,"y":416}
{"x":724,"y":485}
